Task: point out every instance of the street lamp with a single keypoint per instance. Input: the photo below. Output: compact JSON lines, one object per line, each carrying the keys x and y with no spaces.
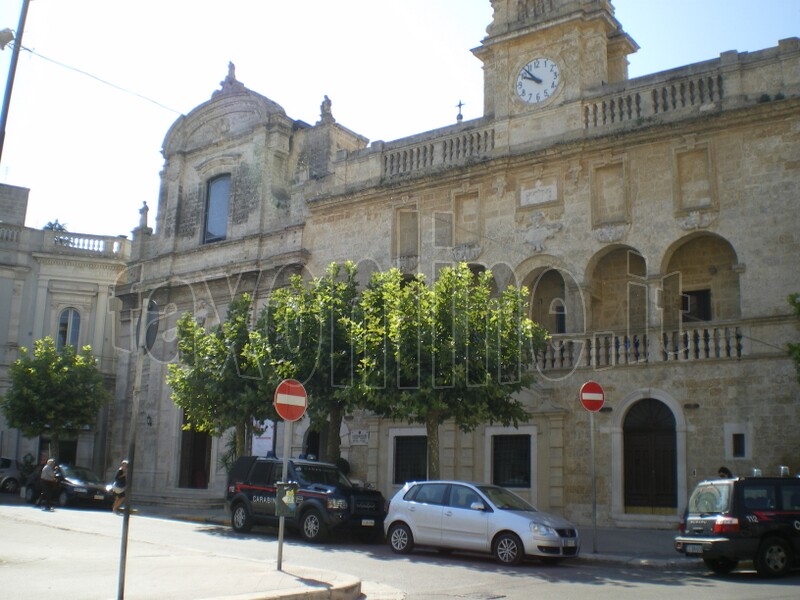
{"x":6,"y":36}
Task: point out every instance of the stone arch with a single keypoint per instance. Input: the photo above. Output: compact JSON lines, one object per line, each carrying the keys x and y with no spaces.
{"x":700,"y":280}
{"x":618,"y":459}
{"x":617,"y":289}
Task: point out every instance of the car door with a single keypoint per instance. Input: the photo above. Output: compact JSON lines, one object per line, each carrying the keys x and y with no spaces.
{"x":425,"y":513}
{"x":465,"y":527}
{"x":262,"y":491}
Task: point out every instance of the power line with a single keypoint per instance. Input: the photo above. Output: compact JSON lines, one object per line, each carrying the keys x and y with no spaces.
{"x":103,"y":81}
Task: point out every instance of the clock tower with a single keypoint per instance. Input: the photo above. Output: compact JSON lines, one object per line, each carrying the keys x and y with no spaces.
{"x":543,"y":54}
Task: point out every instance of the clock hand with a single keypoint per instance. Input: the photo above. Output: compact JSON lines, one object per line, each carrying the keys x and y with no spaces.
{"x":528,"y":75}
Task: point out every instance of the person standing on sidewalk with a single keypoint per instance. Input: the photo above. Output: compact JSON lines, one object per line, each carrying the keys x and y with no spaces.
{"x":120,"y":481}
{"x":49,"y":480}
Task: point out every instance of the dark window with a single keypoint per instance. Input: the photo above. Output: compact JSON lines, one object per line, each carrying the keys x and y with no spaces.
{"x":759,"y":497}
{"x":410,"y":458}
{"x":217,"y":200}
{"x":697,"y":306}
{"x":69,"y":328}
{"x":511,"y":460}
{"x":560,"y":312}
{"x":430,"y":493}
{"x":738,"y":445}
{"x":261,"y":472}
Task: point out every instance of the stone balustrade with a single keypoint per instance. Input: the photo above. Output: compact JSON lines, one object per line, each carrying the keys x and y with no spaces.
{"x":605,"y":350}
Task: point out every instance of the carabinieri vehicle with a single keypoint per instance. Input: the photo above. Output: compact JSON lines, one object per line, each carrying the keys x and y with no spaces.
{"x":325,"y":500}
{"x":747,"y":518}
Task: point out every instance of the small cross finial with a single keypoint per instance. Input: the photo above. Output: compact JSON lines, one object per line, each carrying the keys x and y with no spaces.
{"x":460,"y":117}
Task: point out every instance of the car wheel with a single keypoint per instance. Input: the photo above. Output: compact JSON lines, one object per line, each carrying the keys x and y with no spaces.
{"x":63,"y":499}
{"x":11,"y":486}
{"x":721,"y":566}
{"x":400,"y":538}
{"x":774,"y":558}
{"x":508,"y":549}
{"x":312,"y":528}
{"x":241,"y":521}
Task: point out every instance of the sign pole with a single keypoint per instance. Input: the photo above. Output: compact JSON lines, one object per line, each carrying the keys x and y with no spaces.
{"x":290,"y":403}
{"x":594,"y":484}
{"x":592,"y":397}
{"x":287,"y":431}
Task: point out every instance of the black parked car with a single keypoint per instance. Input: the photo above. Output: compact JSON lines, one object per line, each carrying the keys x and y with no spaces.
{"x":749,"y":518}
{"x":79,"y":485}
{"x":325,"y":499}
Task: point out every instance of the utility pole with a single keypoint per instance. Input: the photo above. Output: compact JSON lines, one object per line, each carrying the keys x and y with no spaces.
{"x":11,"y":72}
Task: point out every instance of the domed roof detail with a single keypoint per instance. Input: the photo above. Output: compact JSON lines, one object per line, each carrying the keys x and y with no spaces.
{"x":233,"y":110}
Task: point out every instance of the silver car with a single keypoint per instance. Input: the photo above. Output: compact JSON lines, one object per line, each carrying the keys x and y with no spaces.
{"x":456,"y":515}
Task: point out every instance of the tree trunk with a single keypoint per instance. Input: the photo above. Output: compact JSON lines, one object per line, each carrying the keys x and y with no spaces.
{"x":333,"y":451}
{"x":240,"y":439}
{"x":53,"y":450}
{"x":432,"y":427}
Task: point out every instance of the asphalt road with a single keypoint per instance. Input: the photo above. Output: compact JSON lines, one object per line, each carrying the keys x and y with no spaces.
{"x":74,"y":554}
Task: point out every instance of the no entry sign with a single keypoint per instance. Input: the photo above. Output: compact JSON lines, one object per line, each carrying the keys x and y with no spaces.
{"x":592,"y":396}
{"x":290,"y":400}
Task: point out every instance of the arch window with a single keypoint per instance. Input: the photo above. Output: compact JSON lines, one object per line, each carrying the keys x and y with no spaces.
{"x":218,"y":194}
{"x":69,"y":328}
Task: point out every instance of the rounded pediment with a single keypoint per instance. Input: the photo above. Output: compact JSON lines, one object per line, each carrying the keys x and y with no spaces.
{"x":232,"y":111}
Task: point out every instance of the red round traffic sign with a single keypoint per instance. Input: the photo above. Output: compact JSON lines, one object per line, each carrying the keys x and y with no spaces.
{"x":290,"y":400}
{"x":592,"y":396}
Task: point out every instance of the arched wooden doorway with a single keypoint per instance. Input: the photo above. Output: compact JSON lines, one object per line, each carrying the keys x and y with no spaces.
{"x":650,"y":458}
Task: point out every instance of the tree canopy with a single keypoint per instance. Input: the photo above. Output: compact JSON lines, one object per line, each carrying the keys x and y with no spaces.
{"x":303,"y":333}
{"x":54,"y":391}
{"x":451,"y":351}
{"x":215,"y":383}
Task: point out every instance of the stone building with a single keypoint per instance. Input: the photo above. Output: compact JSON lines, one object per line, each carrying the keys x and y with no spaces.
{"x":61,"y":285}
{"x":653,"y":220}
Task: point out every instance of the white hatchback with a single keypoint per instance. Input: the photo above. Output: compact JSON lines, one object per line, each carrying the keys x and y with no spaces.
{"x":456,"y":515}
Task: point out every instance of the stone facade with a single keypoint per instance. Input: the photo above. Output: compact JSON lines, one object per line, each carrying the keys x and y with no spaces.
{"x":652,"y":219}
{"x":45,"y":276}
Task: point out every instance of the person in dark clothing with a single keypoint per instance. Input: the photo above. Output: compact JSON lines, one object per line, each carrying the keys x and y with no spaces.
{"x":725,"y":473}
{"x":120,"y":482}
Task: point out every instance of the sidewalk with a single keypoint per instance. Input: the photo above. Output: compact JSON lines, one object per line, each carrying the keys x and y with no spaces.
{"x":643,"y":548}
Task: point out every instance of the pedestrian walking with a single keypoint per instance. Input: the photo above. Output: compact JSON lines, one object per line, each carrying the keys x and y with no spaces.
{"x":49,"y":480}
{"x":120,"y":482}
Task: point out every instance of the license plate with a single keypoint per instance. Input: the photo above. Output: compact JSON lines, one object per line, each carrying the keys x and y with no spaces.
{"x":694,"y":549}
{"x":99,"y":497}
{"x":569,"y":543}
{"x":368,"y":522}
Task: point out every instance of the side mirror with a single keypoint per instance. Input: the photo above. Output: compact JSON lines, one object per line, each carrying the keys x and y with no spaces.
{"x":477,"y":506}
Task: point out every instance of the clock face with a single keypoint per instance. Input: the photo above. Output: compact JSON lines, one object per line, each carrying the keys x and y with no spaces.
{"x":537,"y":81}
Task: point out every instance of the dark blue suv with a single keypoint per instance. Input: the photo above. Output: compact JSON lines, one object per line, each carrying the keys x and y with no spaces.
{"x":749,"y":518}
{"x":325,"y":500}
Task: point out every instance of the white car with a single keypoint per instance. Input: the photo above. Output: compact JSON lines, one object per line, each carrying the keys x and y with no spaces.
{"x":456,"y":515}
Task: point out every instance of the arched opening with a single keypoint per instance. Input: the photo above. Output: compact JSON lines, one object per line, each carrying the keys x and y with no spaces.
{"x":650,"y":458}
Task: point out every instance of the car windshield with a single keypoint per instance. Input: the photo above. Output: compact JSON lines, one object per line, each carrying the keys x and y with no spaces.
{"x":710,"y":497}
{"x":505,"y":499}
{"x":80,"y":474}
{"x":321,"y":474}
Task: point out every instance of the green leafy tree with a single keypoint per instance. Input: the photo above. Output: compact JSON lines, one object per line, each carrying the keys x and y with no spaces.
{"x":794,"y":349}
{"x":451,"y":351}
{"x":215,"y":383}
{"x":303,"y":333}
{"x":54,"y":391}
{"x":55,"y":226}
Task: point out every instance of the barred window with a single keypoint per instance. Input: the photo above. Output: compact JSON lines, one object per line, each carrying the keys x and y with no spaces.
{"x":511,"y":460}
{"x":410,"y":458}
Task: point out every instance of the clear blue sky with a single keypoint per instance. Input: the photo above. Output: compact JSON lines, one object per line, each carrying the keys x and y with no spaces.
{"x":90,"y":152}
